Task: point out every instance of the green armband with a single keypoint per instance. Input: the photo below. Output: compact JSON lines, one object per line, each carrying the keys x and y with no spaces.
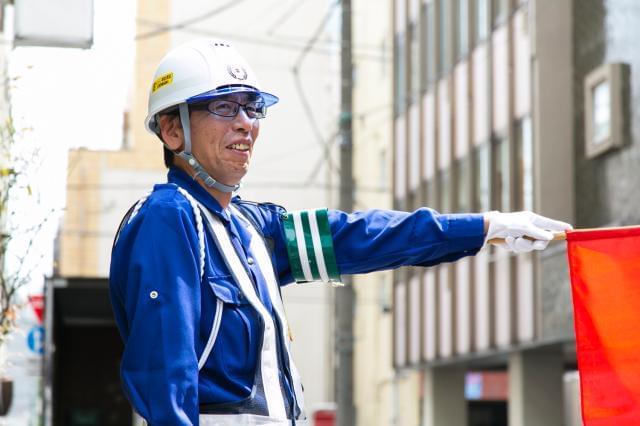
{"x":310,"y":246}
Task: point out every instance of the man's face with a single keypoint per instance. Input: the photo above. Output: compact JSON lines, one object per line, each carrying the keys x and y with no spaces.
{"x":223,"y":145}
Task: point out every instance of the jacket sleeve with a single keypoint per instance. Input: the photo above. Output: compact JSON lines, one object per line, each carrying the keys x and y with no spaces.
{"x":155,"y":291}
{"x":383,"y":239}
{"x":371,"y":240}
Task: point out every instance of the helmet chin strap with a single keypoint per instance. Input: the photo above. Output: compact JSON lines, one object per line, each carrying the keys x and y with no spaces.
{"x":191,"y":160}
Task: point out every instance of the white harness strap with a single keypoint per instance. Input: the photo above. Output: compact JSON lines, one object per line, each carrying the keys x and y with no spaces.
{"x":268,"y":357}
{"x":200,"y":230}
{"x":261,"y":254}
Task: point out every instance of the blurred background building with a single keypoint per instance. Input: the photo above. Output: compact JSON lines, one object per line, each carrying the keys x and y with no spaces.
{"x":506,"y":105}
{"x":459,"y":105}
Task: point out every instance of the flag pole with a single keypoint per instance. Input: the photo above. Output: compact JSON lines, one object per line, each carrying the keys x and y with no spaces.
{"x":557,"y":236}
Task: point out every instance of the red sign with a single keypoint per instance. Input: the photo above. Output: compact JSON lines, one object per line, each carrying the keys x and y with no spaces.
{"x":37,"y":303}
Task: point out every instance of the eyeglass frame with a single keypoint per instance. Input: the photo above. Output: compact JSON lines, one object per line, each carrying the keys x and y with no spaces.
{"x":205,"y":106}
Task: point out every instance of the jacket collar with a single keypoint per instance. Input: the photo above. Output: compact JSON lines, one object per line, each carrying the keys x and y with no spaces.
{"x":182,"y":179}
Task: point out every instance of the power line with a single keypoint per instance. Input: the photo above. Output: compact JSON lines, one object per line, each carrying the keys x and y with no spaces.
{"x":285,"y":16}
{"x":284,"y":45}
{"x":325,"y":144}
{"x":190,"y":21}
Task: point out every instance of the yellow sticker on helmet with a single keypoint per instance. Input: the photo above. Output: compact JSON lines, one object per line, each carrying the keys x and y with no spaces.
{"x":163,"y":80}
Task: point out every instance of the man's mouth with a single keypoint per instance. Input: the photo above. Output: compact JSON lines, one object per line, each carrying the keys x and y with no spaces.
{"x":240,"y":147}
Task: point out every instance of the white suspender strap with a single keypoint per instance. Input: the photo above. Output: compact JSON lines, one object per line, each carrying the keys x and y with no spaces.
{"x":263,"y":259}
{"x":268,"y":357}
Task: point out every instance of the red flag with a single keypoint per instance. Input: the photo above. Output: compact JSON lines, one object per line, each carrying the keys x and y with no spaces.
{"x":605,"y":281}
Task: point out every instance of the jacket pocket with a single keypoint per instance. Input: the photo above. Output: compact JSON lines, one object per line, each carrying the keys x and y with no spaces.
{"x":225,"y":289}
{"x":238,"y":339}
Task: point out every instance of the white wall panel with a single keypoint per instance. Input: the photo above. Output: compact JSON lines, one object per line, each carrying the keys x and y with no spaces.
{"x":501,"y":77}
{"x":400,"y":324}
{"x":481,"y":301}
{"x":400,"y":15}
{"x":445,"y":321}
{"x":502,"y":295}
{"x":480,"y":94}
{"x":400,"y":158}
{"x":461,"y":117}
{"x":429,"y":151}
{"x":521,"y":64}
{"x":414,"y":319}
{"x":525,"y":298}
{"x":414,"y":147}
{"x":444,"y":124}
{"x":463,"y":305}
{"x":414,"y":10}
{"x":429,"y":316}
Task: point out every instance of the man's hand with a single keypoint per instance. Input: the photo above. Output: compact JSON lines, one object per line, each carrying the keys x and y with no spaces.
{"x":513,"y":227}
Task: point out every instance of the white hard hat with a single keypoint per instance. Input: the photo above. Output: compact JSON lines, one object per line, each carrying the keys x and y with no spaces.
{"x":199,"y":70}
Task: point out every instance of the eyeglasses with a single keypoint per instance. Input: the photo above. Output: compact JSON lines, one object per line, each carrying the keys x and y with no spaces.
{"x":226,"y":108}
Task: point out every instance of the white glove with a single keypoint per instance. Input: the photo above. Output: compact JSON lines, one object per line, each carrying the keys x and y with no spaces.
{"x":513,"y":227}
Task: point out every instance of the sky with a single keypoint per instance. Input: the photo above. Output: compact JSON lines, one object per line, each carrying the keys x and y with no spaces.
{"x":61,"y":95}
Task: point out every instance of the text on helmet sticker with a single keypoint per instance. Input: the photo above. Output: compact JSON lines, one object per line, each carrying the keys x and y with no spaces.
{"x":163,"y":80}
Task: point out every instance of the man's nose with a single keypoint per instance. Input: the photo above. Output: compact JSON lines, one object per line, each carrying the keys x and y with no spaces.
{"x":242,"y":122}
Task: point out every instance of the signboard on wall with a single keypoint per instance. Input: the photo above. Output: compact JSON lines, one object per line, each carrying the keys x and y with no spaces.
{"x":54,"y":23}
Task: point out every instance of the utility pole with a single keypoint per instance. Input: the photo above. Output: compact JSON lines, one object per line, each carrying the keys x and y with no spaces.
{"x":345,"y":296}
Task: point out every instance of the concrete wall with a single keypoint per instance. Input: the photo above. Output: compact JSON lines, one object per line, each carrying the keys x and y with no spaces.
{"x":606,"y":187}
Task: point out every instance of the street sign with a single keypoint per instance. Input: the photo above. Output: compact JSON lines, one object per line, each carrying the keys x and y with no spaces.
{"x":35,"y":340}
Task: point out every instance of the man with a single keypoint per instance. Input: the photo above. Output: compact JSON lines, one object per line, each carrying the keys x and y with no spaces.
{"x":195,"y":271}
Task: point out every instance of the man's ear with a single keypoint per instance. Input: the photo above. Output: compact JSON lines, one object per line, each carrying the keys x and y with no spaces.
{"x":171,"y":131}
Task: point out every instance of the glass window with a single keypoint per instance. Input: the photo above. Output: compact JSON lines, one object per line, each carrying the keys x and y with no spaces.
{"x":430,"y":42}
{"x":601,"y":115}
{"x":500,"y":10}
{"x":462,"y":38}
{"x":444,"y":36}
{"x":399,"y":74}
{"x":431,"y":194}
{"x":481,"y":21}
{"x":445,"y":191}
{"x":414,"y":45}
{"x":463,"y":185}
{"x":481,"y":181}
{"x":502,"y":162}
{"x":524,"y":164}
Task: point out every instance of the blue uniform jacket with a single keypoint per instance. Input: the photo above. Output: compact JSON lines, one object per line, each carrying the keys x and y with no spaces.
{"x":165,"y":312}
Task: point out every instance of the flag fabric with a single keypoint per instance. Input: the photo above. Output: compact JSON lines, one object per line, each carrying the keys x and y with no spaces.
{"x":604,"y":267}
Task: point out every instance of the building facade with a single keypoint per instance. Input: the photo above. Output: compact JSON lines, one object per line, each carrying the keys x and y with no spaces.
{"x":507,"y":105}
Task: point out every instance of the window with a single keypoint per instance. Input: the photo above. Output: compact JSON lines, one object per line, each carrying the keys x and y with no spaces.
{"x":524,"y":164}
{"x":399,"y":74}
{"x":430,"y":42}
{"x":500,"y":11}
{"x":444,"y":37}
{"x":463,"y":185}
{"x":481,"y":21}
{"x":431,"y":194}
{"x":502,"y":200}
{"x":462,"y":39}
{"x":482,"y":188}
{"x":605,"y":111}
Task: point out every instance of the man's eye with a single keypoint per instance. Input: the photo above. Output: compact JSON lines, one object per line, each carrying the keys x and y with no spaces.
{"x":223,"y":108}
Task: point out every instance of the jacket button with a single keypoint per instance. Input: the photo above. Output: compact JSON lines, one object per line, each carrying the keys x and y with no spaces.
{"x":153,"y":294}
{"x":250,"y":260}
